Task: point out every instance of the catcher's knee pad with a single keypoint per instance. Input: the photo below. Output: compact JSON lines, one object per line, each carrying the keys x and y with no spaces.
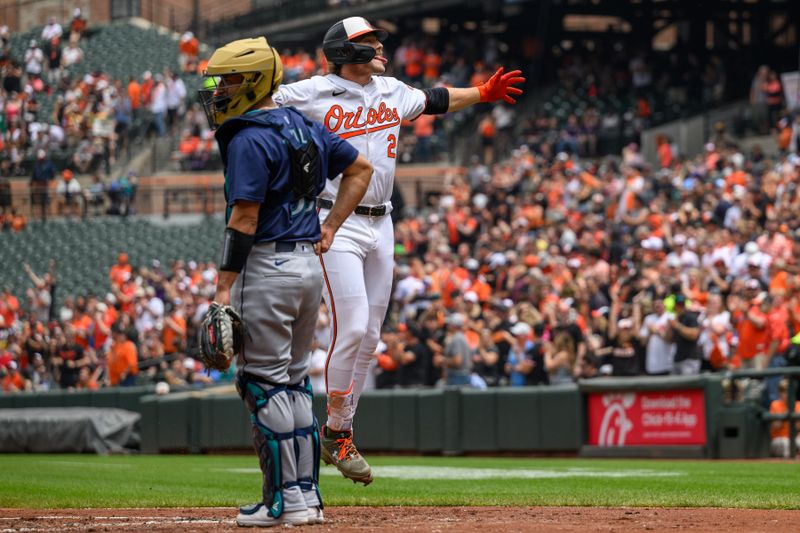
{"x":272,"y":418}
{"x":307,"y":444}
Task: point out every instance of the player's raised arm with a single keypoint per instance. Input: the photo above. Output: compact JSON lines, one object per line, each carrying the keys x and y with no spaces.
{"x":500,"y":86}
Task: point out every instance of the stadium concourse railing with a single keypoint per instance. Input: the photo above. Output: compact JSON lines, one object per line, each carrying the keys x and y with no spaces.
{"x":687,"y":417}
{"x":202,"y":193}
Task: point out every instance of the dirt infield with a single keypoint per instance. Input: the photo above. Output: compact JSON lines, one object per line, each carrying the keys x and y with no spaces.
{"x":422,"y":519}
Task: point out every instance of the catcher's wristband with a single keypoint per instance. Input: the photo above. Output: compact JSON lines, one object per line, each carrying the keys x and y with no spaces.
{"x":236,"y":247}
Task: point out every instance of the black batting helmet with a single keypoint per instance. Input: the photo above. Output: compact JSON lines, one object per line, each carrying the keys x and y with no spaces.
{"x":337,"y":44}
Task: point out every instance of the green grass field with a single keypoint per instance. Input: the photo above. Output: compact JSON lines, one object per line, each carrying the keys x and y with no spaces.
{"x":56,"y":481}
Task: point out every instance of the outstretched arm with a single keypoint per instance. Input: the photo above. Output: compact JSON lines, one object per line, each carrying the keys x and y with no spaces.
{"x":499,"y":86}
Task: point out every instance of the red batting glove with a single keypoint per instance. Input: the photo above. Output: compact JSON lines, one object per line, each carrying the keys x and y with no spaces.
{"x":499,"y":86}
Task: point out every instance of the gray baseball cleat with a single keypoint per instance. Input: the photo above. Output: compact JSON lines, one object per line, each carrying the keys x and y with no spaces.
{"x":337,"y":449}
{"x":315,"y":516}
{"x":257,"y":515}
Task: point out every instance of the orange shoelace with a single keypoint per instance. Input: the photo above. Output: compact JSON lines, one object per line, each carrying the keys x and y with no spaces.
{"x":346,"y":447}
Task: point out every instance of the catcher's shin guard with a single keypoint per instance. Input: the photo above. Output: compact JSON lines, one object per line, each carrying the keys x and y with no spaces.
{"x":307,"y":444}
{"x":272,"y":417}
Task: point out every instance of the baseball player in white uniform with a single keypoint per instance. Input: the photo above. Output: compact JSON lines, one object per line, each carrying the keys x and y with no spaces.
{"x":359,"y":105}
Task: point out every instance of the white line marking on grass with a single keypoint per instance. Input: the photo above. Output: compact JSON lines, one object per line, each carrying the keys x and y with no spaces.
{"x":457,"y":473}
{"x":239,"y":470}
{"x":113,"y":521}
{"x":87,"y":464}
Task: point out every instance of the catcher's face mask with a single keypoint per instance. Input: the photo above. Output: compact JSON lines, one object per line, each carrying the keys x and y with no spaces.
{"x":222,"y":94}
{"x":238,"y":76}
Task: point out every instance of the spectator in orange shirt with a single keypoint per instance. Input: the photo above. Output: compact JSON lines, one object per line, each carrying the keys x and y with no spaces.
{"x":77,"y":27}
{"x":81,"y":323}
{"x":12,"y":380}
{"x":414,"y":59}
{"x":189,"y":49}
{"x":755,"y":334}
{"x":135,"y":94}
{"x":784,"y":135}
{"x":87,"y":380}
{"x":779,"y":430}
{"x":9,"y":308}
{"x":476,"y":282}
{"x":104,"y":318}
{"x":123,"y":364}
{"x":664,"y":149}
{"x":18,"y":221}
{"x":432,"y":62}
{"x":174,"y":336}
{"x":423,"y":131}
{"x":488,"y":132}
{"x":147,"y":88}
{"x":120,"y":272}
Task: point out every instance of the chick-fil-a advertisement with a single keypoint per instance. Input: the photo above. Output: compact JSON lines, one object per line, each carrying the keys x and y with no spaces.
{"x":653,"y":418}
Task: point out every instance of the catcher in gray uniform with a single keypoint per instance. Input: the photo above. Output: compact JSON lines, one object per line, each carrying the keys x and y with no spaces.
{"x":276,"y":162}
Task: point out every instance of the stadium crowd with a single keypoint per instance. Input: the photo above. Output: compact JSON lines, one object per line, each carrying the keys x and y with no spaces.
{"x":534,"y":271}
{"x":543,"y":268}
{"x":140,"y":331}
{"x":87,"y":120}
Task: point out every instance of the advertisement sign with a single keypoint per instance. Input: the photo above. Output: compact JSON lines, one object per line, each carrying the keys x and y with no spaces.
{"x":653,"y":418}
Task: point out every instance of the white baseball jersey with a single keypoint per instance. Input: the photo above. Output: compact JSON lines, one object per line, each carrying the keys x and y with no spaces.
{"x":367,"y":116}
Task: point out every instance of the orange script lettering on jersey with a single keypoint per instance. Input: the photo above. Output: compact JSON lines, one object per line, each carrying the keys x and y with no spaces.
{"x":336,"y":118}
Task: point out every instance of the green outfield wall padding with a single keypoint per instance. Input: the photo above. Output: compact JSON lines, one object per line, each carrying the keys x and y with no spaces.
{"x":149,"y":426}
{"x":224,"y":422}
{"x":372,"y":425}
{"x":642,"y":383}
{"x":172,"y":434}
{"x":452,"y":421}
{"x":714,"y":403}
{"x":404,"y":430}
{"x":129,"y":397}
{"x":559,"y":418}
{"x":104,"y":398}
{"x":430,"y":420}
{"x":52,"y":399}
{"x":516,"y":419}
{"x":441,"y":420}
{"x":81,"y":399}
{"x":478,"y":414}
{"x":739,"y":435}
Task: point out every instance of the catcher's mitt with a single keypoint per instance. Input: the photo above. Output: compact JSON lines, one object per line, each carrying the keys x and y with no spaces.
{"x":220,"y":337}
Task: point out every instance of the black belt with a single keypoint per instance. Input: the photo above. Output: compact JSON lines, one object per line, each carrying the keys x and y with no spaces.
{"x":363,"y":210}
{"x":284,"y":246}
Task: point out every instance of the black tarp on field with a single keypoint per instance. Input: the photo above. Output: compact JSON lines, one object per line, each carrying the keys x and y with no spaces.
{"x":68,"y":430}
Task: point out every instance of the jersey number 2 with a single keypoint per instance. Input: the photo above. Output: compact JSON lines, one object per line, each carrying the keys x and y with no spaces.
{"x":390,"y":151}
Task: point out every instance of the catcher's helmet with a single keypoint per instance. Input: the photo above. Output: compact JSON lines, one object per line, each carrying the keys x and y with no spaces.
{"x":337,"y":44}
{"x":261,"y":70}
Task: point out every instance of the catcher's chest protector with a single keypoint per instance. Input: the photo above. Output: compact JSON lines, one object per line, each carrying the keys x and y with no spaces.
{"x":305,"y":162}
